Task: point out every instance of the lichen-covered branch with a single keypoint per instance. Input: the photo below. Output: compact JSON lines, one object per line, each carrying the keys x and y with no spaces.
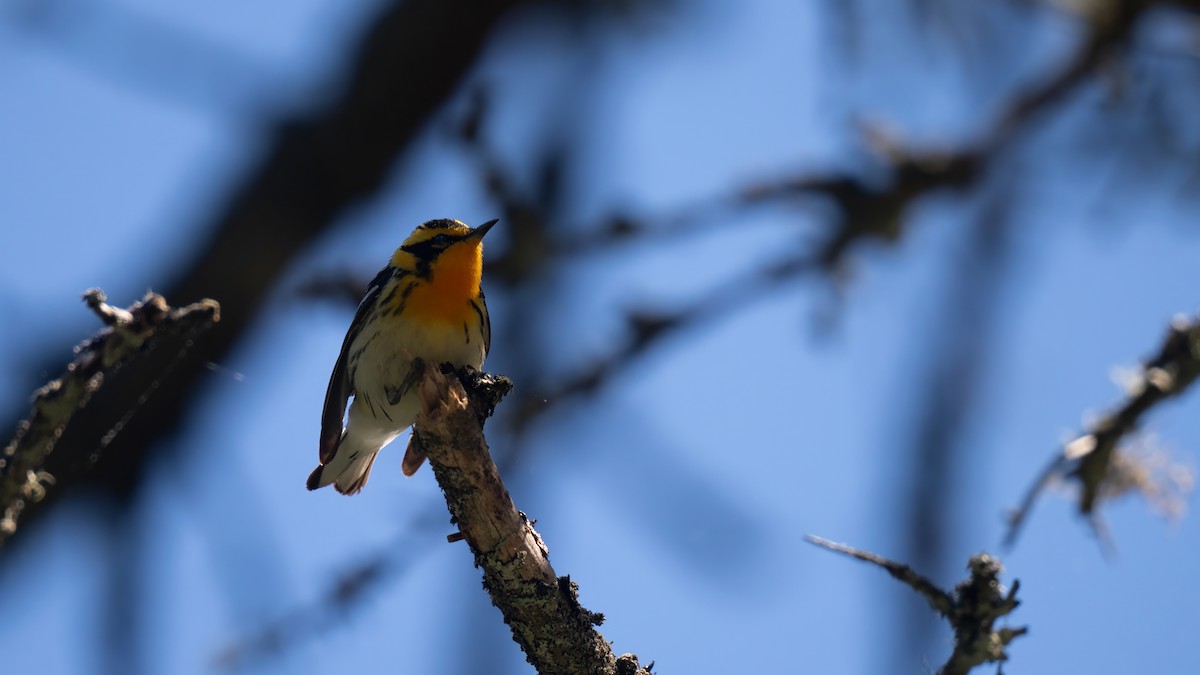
{"x":557,"y":634}
{"x":151,"y":324}
{"x":1094,"y":459}
{"x":972,"y":609}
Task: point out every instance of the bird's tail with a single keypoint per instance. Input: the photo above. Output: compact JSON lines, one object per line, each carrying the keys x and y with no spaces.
{"x":348,"y":470}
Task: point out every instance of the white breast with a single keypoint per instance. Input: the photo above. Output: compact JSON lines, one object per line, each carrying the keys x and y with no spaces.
{"x":386,"y":361}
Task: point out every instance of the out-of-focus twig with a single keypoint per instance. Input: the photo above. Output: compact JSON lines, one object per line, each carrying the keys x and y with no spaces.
{"x":150,"y":324}
{"x":648,"y":329}
{"x":874,"y":208}
{"x":972,"y":609}
{"x":307,"y":622}
{"x":1103,"y":38}
{"x":867,"y":210}
{"x":1094,"y":459}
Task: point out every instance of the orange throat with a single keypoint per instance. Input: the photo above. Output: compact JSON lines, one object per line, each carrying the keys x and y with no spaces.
{"x":454,"y":282}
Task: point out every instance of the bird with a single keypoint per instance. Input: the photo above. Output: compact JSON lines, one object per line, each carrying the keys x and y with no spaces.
{"x":425,"y":308}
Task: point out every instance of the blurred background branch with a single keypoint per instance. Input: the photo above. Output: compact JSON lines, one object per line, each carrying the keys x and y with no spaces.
{"x":149,"y":338}
{"x":1097,"y":460}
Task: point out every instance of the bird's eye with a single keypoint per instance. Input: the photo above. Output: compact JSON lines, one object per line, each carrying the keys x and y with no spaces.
{"x":441,"y":239}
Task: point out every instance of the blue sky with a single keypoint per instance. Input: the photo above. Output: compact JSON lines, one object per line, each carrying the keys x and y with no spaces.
{"x":680,"y":509}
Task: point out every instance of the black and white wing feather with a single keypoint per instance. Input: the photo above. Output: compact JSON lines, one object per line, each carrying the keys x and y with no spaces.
{"x":341,"y":388}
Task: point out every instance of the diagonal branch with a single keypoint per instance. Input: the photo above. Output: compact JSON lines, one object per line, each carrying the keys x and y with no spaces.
{"x":556,"y":633}
{"x":647,"y":330}
{"x":874,"y":208}
{"x":1094,"y":459}
{"x":148,"y":331}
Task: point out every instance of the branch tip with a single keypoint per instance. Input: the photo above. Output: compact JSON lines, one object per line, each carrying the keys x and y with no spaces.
{"x":1099,"y":459}
{"x":971,"y":609}
{"x":28,"y":463}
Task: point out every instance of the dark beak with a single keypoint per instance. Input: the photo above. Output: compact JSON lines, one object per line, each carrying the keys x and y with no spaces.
{"x":478,"y":232}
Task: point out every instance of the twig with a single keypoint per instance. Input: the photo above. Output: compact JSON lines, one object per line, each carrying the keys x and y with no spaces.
{"x":1094,"y":459}
{"x":875,"y":208}
{"x":341,"y":596}
{"x":648,"y":329}
{"x":972,"y":609}
{"x":149,"y":324}
{"x":938,"y":599}
{"x":542,"y":609}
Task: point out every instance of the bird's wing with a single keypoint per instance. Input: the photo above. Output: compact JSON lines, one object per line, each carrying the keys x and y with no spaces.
{"x":485,"y":321}
{"x":340,"y":385}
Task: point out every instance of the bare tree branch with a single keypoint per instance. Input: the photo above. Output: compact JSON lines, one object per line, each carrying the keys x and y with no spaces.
{"x":972,"y":608}
{"x":1094,"y":459}
{"x":345,"y":594}
{"x":556,"y":633}
{"x":149,"y":326}
{"x":875,"y":209}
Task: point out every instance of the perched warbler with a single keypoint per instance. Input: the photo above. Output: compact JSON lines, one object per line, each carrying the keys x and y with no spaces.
{"x":425,"y":308}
